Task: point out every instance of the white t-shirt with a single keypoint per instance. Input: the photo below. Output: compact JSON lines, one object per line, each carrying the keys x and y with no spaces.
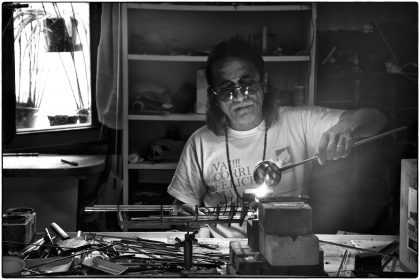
{"x":202,"y":175}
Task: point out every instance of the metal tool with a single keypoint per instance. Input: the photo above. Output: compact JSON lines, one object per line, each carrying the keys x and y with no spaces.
{"x":55,"y":260}
{"x":104,"y":265}
{"x":32,"y":250}
{"x":67,"y":244}
{"x":269,"y":172}
{"x":343,"y":263}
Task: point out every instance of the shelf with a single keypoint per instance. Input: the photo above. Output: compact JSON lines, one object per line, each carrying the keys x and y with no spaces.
{"x":153,"y":165}
{"x":366,"y":104}
{"x":188,"y":58}
{"x":221,"y":8}
{"x":156,"y":176}
{"x":169,"y":117}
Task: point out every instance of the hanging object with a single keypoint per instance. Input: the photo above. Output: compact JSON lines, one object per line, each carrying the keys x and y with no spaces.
{"x":62,"y":34}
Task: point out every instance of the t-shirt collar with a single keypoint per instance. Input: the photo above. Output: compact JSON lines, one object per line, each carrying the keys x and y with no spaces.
{"x":247,"y":133}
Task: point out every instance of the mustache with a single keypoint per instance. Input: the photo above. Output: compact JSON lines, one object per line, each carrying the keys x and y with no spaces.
{"x":243,"y":104}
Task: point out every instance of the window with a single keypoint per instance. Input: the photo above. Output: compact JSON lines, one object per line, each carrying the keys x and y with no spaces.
{"x":52,"y":65}
{"x":54,"y":77}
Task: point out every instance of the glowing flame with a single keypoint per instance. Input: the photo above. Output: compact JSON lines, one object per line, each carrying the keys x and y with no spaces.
{"x":262,"y":190}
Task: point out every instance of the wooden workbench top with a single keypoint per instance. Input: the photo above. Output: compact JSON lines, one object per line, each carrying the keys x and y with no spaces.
{"x":50,"y":165}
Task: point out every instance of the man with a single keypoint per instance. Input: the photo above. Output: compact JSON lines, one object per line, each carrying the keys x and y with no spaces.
{"x":243,"y":128}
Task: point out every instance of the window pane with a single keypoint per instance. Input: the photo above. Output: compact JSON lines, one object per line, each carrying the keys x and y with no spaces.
{"x":52,"y":66}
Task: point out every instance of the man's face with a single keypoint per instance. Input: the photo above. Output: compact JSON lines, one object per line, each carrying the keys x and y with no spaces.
{"x":244,"y":112}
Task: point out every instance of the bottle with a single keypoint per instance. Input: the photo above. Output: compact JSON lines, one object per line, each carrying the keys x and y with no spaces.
{"x":299,"y":96}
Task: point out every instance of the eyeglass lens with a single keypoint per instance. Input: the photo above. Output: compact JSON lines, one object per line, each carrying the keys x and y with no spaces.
{"x":226,"y":94}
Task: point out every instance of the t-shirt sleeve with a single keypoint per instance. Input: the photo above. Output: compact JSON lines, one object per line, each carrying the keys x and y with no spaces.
{"x":319,"y":120}
{"x":187,"y":185}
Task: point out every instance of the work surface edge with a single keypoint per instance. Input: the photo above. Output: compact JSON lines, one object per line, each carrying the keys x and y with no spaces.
{"x":51,"y":165}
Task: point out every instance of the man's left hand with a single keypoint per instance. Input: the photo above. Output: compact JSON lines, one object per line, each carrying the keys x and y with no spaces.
{"x":335,"y":143}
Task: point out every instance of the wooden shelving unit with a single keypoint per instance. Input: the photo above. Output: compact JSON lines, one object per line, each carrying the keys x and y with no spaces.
{"x":184,"y":26}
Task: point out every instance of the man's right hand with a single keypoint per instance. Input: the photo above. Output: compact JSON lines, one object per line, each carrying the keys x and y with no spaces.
{"x":182,"y":208}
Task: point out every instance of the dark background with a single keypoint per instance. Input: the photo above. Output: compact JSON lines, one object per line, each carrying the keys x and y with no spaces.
{"x":361,"y":193}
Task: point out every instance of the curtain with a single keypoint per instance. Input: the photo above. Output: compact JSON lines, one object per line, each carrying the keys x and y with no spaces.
{"x":108,"y":79}
{"x":109,"y":105}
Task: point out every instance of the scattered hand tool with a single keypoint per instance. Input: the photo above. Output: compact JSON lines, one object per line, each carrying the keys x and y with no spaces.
{"x":52,"y":248}
{"x":104,"y":265}
{"x":32,"y":251}
{"x":55,"y":260}
{"x":67,"y":244}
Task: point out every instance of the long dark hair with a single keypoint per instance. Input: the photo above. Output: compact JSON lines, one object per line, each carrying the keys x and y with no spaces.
{"x":216,"y":119}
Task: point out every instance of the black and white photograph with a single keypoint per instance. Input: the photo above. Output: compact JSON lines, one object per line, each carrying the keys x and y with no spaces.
{"x":229,"y":139}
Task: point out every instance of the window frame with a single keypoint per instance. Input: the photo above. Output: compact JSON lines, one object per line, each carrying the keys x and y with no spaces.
{"x":28,"y":140}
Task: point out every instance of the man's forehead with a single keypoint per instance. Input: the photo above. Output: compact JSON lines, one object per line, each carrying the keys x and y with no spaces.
{"x":232,"y":69}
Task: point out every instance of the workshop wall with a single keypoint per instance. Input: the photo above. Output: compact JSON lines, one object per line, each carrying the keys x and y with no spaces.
{"x":366,"y":57}
{"x":361,"y":193}
{"x":355,"y":16}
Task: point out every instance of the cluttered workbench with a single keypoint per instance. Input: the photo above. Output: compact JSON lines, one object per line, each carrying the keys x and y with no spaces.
{"x":55,"y":252}
{"x":128,"y":254}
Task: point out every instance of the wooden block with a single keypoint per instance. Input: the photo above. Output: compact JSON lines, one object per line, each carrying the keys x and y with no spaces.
{"x":238,"y":251}
{"x":250,"y":265}
{"x":258,"y":265}
{"x":297,"y":270}
{"x":253,"y":233}
{"x":285,"y":219}
{"x":285,"y":250}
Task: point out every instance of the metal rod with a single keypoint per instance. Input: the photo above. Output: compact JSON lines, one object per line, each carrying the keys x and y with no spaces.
{"x":361,"y":142}
{"x":186,"y":219}
{"x":127,"y":208}
{"x":343,"y":260}
{"x":358,"y":143}
{"x":137,"y":208}
{"x":190,"y":217}
{"x":356,"y":248}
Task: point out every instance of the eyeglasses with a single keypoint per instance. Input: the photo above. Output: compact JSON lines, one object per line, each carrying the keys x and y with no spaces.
{"x":228,"y":93}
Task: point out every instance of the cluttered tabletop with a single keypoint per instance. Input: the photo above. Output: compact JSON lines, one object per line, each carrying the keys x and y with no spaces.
{"x":286,"y":247}
{"x":165,"y":254}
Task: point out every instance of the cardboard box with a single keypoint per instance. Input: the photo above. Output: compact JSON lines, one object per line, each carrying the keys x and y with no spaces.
{"x":201,"y":103}
{"x":409,"y":215}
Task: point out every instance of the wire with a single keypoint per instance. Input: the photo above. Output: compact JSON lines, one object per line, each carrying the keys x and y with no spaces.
{"x":7,"y":26}
{"x":393,"y":54}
